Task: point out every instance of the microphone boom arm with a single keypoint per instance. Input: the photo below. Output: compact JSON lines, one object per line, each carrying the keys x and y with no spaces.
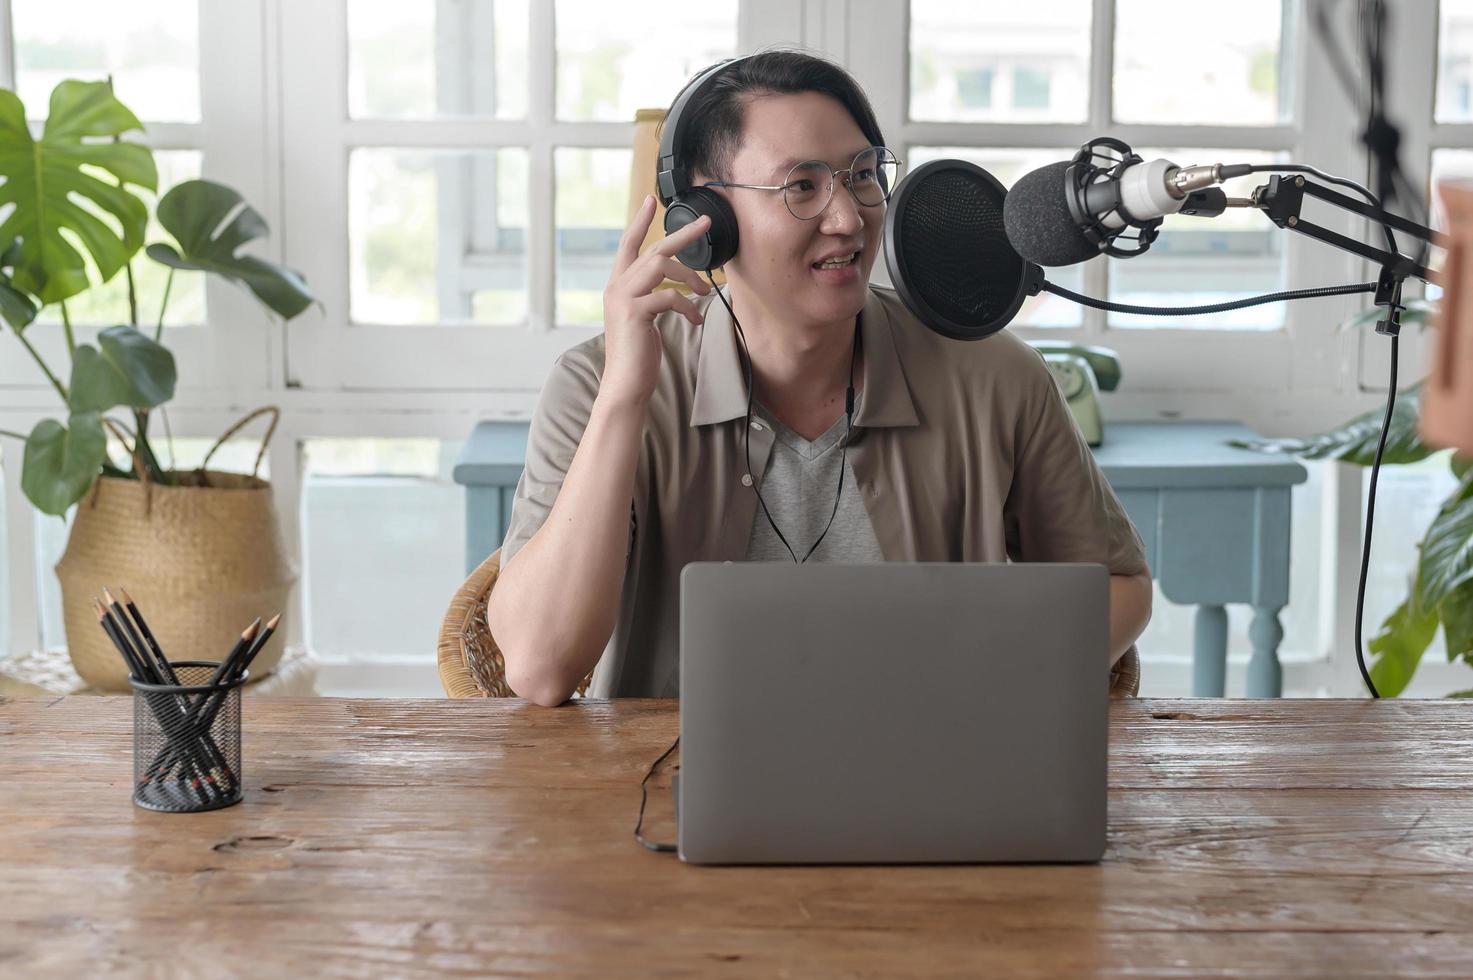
{"x":1282,"y":199}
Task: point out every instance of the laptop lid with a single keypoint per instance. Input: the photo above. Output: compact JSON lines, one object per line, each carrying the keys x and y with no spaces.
{"x":897,"y":712}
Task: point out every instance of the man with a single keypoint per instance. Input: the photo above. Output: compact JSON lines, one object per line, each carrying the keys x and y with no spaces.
{"x":648,"y":450}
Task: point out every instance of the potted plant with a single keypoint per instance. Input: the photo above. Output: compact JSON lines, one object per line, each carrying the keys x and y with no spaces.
{"x":201,"y":550}
{"x":1441,"y":589}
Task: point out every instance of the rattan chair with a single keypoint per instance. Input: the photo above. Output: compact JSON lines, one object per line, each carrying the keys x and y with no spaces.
{"x":471,"y":665}
{"x":470,"y":662}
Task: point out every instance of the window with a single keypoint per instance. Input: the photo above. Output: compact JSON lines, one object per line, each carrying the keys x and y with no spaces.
{"x":151,"y":50}
{"x":974,"y":87}
{"x":487,"y":177}
{"x":614,"y":59}
{"x":1455,"y":62}
{"x":1230,"y":70}
{"x":379,"y":594}
{"x":1030,"y":89}
{"x":437,"y":59}
{"x":1239,"y":75}
{"x":1041,"y":48}
{"x":437,"y":236}
{"x":592,"y":197}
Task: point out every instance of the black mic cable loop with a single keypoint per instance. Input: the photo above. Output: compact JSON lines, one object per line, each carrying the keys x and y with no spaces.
{"x":1237,"y":304}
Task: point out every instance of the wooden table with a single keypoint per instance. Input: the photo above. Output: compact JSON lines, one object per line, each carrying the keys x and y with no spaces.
{"x":1328,"y":838}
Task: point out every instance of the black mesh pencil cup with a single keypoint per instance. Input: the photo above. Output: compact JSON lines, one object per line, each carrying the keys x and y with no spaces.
{"x":186,"y":741}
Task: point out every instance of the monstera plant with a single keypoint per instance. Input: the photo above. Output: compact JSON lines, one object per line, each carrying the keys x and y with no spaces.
{"x":1441,"y":590}
{"x":75,"y":186}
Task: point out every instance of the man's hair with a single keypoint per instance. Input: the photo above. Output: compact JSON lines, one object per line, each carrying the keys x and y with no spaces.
{"x":713,"y":131}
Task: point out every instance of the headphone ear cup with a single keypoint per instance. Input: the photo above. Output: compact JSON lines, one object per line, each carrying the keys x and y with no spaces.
{"x":716,"y":247}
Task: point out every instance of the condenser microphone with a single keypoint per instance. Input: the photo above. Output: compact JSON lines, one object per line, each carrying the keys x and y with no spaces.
{"x":1073,"y":210}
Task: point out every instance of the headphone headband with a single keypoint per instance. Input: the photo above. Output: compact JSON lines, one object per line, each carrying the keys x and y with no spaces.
{"x":668,"y":181}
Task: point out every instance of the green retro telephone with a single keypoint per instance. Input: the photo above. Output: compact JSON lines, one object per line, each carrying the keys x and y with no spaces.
{"x":1082,"y":373}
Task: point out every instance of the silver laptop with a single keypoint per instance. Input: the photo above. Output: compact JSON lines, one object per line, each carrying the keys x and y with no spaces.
{"x":892,"y":713}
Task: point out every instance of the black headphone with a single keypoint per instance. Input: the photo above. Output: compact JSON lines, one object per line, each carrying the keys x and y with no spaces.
{"x":684,"y":203}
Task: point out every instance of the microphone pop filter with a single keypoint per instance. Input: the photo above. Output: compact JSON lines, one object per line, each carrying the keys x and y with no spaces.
{"x":1037,"y":220}
{"x":948,"y":254}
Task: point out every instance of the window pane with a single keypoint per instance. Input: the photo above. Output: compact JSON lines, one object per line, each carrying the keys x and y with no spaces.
{"x":107,"y":304}
{"x":613,"y":59}
{"x":1045,"y":309}
{"x":999,"y":62}
{"x":151,"y":50}
{"x":592,"y":196}
{"x":421,"y":60}
{"x":1197,"y":261}
{"x":438,"y":236}
{"x":1205,"y":67}
{"x":383,"y":540}
{"x":1455,"y":62}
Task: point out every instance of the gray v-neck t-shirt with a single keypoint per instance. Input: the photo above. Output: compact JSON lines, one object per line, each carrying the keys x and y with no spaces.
{"x":798,"y":488}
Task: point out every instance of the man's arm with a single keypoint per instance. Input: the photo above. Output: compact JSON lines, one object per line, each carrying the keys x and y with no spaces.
{"x":554,"y":606}
{"x":1130,"y":611}
{"x":556,"y":600}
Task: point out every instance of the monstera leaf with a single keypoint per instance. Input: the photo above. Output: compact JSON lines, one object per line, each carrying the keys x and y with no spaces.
{"x":1355,"y":441}
{"x":61,"y":462}
{"x":1398,"y":647}
{"x":1447,"y":551}
{"x":193,"y":211}
{"x":16,"y":307}
{"x":126,"y":368}
{"x":44,"y":181}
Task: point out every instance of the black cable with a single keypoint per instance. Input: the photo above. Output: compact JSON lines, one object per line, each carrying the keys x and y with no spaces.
{"x":1237,"y":304}
{"x":1383,"y":140}
{"x":747,"y":430}
{"x":644,"y":795}
{"x":1365,"y":555}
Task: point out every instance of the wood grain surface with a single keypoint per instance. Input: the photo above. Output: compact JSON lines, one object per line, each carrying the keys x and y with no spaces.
{"x":492,"y":837}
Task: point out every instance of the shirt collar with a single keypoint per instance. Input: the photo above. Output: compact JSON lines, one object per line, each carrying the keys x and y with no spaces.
{"x":721,"y":387}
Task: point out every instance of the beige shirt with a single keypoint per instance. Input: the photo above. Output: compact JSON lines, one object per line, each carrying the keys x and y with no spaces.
{"x":962,"y":451}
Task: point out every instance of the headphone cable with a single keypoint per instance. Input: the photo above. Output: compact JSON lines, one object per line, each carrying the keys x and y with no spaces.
{"x":747,"y":429}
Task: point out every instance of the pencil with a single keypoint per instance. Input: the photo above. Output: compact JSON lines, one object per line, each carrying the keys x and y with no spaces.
{"x":158,"y":704}
{"x":153,"y":643}
{"x":260,"y":642}
{"x":255,"y":648}
{"x":125,"y":628}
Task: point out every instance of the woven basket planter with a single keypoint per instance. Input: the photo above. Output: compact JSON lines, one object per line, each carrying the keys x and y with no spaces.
{"x":201,"y":559}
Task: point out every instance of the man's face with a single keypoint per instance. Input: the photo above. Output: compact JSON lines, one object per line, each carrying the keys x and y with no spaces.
{"x":777,"y":254}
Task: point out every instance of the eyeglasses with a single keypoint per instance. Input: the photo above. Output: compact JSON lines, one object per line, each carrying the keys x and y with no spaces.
{"x":809,"y":186}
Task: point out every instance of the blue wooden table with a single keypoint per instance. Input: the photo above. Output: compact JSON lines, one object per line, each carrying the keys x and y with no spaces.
{"x":1215,"y":521}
